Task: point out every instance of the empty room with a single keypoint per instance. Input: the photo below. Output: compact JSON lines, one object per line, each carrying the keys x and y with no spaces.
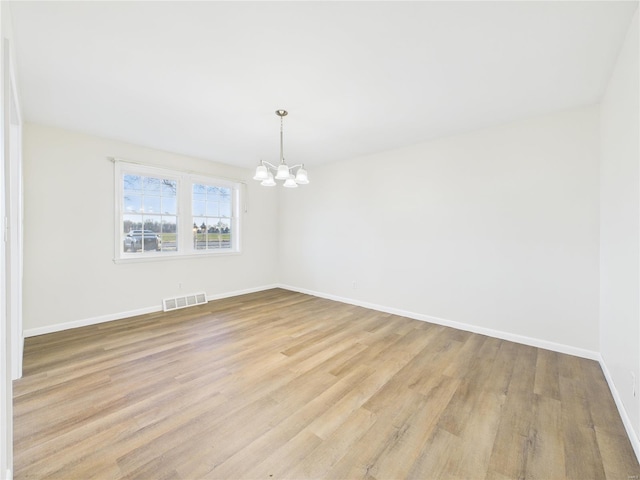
{"x":320,"y":240}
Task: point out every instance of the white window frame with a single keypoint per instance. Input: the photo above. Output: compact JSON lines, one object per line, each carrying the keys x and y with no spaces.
{"x":184,"y":212}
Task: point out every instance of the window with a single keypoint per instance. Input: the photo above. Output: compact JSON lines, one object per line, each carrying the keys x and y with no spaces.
{"x":212,"y":219}
{"x":162,"y":213}
{"x":149,"y":220}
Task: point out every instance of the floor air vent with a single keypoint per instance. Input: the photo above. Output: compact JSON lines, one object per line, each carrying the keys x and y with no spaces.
{"x":185,"y":301}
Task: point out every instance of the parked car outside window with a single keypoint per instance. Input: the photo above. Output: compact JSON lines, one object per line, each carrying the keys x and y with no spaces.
{"x":141,"y":239}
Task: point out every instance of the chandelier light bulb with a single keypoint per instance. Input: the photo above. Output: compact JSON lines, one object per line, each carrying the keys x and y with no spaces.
{"x":290,"y":182}
{"x":301,"y":176}
{"x":269,"y":181}
{"x":283,"y":172}
{"x":261,"y":173}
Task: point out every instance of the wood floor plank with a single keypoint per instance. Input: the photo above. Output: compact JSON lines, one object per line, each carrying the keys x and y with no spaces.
{"x":478,"y":436}
{"x":477,"y":372}
{"x":278,"y":384}
{"x":512,"y":441}
{"x":437,"y":458}
{"x":235,"y":466}
{"x":398,"y":457}
{"x":545,"y":455}
{"x":278,"y":463}
{"x":383,"y":432}
{"x":578,"y":432}
{"x":547,"y":374}
{"x":319,"y":462}
{"x":618,"y":459}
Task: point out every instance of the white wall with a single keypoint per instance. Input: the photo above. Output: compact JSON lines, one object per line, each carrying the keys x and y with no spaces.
{"x":69,"y":273}
{"x":620,"y":228}
{"x":496,"y":229}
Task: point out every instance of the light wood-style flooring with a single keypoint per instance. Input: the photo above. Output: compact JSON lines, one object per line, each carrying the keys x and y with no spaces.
{"x":278,"y":384}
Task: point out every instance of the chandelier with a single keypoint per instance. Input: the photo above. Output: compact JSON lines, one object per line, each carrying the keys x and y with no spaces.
{"x":292,"y":176}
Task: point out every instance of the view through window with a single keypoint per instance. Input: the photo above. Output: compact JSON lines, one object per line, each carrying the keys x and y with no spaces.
{"x":162,"y":213}
{"x":211,"y":217}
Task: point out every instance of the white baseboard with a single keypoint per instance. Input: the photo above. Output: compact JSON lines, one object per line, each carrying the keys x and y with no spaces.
{"x":633,"y":437}
{"x":534,"y":342}
{"x":58,"y":327}
{"x":512,"y":337}
{"x":218,"y":296}
{"x":32,"y":332}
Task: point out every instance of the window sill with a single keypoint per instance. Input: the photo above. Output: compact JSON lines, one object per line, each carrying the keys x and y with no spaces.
{"x":162,"y":258}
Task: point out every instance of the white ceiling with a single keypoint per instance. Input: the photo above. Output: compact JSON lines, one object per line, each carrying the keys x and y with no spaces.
{"x":204,"y":78}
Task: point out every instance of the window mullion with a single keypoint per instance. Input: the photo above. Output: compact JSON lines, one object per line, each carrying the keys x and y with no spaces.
{"x":186,"y":219}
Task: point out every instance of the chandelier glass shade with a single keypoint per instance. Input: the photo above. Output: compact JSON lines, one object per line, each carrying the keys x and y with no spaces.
{"x":292,"y":176}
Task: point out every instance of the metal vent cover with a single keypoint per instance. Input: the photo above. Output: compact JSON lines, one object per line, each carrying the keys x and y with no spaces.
{"x":184,"y":301}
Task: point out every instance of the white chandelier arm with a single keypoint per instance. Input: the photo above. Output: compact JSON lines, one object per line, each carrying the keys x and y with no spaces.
{"x":268,"y":164}
{"x":275,"y":167}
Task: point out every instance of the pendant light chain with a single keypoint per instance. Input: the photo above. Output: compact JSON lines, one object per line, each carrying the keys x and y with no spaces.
{"x":281,"y":142}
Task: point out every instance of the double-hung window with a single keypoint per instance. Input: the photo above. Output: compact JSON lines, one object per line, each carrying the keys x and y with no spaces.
{"x":149,"y":213}
{"x":163,"y":213}
{"x":212,"y":208}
